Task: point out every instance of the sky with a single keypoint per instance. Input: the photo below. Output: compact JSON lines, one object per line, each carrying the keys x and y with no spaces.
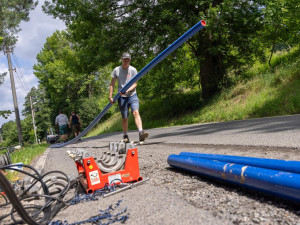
{"x":31,"y":40}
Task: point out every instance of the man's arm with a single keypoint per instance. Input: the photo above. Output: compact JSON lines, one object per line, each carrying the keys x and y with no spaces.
{"x":131,"y":88}
{"x":111,"y":89}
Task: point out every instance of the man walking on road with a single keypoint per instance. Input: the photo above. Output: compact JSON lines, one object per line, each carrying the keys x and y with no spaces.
{"x":75,"y":123}
{"x":62,"y":121}
{"x":123,"y":74}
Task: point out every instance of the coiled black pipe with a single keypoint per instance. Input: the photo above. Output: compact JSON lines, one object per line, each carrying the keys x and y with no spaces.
{"x":11,"y":195}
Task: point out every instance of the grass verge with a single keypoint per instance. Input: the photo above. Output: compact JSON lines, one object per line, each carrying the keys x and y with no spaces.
{"x":25,"y":155}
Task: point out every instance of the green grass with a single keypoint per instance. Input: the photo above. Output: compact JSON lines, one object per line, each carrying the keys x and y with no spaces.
{"x":111,"y":125}
{"x":261,"y":92}
{"x":26,"y":155}
{"x":269,"y":94}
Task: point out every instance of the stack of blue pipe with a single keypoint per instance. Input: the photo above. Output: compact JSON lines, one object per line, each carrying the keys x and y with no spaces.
{"x":273,"y":176}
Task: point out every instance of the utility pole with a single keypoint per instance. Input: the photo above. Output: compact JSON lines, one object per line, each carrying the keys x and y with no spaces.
{"x":33,"y":121}
{"x":13,"y":89}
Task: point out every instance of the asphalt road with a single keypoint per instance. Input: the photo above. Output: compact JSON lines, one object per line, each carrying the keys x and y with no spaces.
{"x":172,"y":197}
{"x":281,"y":131}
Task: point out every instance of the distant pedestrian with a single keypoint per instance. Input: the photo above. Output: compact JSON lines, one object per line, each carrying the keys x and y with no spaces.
{"x":75,"y":123}
{"x":128,"y":100}
{"x":62,"y":122}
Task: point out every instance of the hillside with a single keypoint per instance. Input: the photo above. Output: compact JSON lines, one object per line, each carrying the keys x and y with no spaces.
{"x":260,"y":92}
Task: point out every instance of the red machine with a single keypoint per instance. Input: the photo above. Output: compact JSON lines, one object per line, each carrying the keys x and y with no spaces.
{"x":94,"y":179}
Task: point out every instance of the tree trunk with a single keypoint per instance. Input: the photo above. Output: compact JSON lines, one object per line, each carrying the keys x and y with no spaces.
{"x":211,"y":72}
{"x":273,"y":47}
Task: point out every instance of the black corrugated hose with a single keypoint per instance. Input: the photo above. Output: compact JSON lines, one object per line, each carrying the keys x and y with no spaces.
{"x":42,"y":213}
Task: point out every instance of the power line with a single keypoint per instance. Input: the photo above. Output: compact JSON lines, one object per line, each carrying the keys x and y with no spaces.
{"x":22,"y":84}
{"x":18,"y":66}
{"x":20,"y":74}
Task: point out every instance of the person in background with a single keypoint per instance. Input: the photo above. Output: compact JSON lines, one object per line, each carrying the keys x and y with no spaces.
{"x":62,"y":122}
{"x":123,"y":74}
{"x":75,"y":122}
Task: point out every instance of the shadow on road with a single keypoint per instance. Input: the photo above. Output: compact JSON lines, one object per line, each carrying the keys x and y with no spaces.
{"x":262,"y":125}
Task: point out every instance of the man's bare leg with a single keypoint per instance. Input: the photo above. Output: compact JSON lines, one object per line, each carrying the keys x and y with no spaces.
{"x":138,"y":120}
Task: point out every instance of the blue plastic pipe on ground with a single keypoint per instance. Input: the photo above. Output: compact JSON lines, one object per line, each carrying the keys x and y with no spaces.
{"x":196,"y":28}
{"x":282,"y":184}
{"x":274,"y":164}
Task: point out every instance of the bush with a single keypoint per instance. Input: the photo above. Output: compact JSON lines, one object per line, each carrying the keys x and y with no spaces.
{"x":91,"y":107}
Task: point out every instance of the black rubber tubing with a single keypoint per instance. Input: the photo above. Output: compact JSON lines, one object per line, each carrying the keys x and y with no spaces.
{"x":11,"y":195}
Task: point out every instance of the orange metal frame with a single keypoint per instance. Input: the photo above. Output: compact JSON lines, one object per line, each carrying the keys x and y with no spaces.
{"x":94,"y":179}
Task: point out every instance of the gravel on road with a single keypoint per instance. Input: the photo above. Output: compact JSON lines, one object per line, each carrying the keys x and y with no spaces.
{"x":172,"y":196}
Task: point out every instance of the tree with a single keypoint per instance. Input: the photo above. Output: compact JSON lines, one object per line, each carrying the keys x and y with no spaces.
{"x":27,"y":130}
{"x":103,"y":29}
{"x":42,"y":113}
{"x":12,"y":12}
{"x":55,"y":71}
{"x":174,"y":75}
{"x":9,"y":133}
{"x":5,"y":113}
{"x":281,"y":23}
{"x":88,"y":109}
{"x":66,"y":84}
{"x":225,"y":44}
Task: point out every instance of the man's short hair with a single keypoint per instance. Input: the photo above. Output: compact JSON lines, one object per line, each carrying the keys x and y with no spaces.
{"x":126,"y":55}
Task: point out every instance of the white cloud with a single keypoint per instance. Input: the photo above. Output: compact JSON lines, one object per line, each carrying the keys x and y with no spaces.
{"x":34,"y":33}
{"x":30,"y":42}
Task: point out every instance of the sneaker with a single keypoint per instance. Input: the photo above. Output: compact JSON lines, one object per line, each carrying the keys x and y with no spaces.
{"x":143,"y":135}
{"x":126,"y":138}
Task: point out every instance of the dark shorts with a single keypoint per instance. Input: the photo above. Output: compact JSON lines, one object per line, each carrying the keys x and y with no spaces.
{"x":63,"y":129}
{"x":76,"y":128}
{"x":128,"y":102}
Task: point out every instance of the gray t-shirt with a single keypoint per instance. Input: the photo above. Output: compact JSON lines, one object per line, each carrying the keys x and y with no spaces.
{"x":61,"y":120}
{"x":123,"y":76}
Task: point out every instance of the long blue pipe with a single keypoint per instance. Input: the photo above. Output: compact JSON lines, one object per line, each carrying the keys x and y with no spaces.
{"x":138,"y":76}
{"x":274,"y":164}
{"x":283,"y":184}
